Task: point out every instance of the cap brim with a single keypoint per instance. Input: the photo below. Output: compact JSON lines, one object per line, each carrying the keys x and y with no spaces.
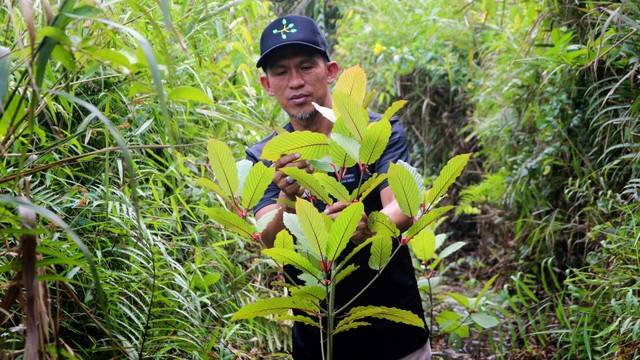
{"x":269,"y":52}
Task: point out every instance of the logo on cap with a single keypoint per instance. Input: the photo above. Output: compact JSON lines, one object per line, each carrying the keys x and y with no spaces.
{"x":285,"y":29}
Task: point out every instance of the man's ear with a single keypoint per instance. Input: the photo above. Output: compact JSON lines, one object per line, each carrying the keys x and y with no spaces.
{"x":266,"y":85}
{"x":333,"y":69}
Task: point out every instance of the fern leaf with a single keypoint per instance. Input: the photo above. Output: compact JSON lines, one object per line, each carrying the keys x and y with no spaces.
{"x":310,"y":145}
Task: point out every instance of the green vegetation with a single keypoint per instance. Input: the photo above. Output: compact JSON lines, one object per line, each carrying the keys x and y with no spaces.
{"x":106,"y":110}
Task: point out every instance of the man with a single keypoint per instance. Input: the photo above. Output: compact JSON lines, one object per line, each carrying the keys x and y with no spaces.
{"x":298,"y":71}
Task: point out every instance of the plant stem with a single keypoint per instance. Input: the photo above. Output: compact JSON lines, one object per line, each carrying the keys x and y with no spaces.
{"x":330,"y":317}
{"x":341,"y":309}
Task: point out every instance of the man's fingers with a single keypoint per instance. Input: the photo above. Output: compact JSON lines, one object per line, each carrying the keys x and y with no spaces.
{"x":335,"y":207}
{"x":285,"y":160}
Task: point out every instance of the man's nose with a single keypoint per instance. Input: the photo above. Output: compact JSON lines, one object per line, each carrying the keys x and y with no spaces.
{"x":296,"y":80}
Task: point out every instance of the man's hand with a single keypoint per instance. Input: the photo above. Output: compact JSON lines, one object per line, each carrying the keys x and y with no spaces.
{"x":362,"y":230}
{"x":289,"y":187}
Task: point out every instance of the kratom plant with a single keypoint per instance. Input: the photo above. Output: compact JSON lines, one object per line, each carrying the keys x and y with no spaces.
{"x":313,"y":242}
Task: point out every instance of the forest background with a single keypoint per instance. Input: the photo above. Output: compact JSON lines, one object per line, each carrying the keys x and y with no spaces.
{"x":106,"y":108}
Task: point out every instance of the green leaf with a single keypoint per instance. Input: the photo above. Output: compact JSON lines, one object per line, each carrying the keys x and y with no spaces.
{"x":485,"y":320}
{"x":343,"y":228}
{"x":273,"y":306}
{"x":423,"y":245}
{"x":382,"y":312}
{"x":322,"y":165}
{"x":451,"y":249}
{"x":350,"y":326}
{"x":310,"y":145}
{"x":339,"y":156}
{"x":242,"y":168}
{"x":284,"y":240}
{"x":189,"y":93}
{"x":357,"y":249}
{"x":380,"y":224}
{"x":380,"y":251}
{"x":55,"y":33}
{"x":290,"y":257}
{"x":292,"y":224}
{"x":354,"y":117}
{"x":426,"y":220}
{"x":416,"y":175}
{"x":114,"y":57}
{"x":210,"y":185}
{"x":223,"y":166}
{"x":230,"y":221}
{"x":297,"y":318}
{"x":445,"y":179}
{"x":352,"y":82}
{"x":333,"y":186}
{"x":315,"y":293}
{"x":344,"y":273}
{"x":405,"y":189}
{"x":375,"y":141}
{"x":391,"y":110}
{"x":312,"y":223}
{"x":369,"y":186}
{"x":350,"y":146}
{"x":255,"y":184}
{"x":461,"y":299}
{"x":309,"y":182}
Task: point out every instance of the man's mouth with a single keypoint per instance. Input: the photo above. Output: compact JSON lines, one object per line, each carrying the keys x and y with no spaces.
{"x":299,"y":99}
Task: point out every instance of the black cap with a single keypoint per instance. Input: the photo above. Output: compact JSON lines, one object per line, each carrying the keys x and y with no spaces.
{"x":291,"y":29}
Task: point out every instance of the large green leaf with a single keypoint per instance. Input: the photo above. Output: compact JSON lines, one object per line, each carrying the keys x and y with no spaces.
{"x":382,"y":312}
{"x":273,"y":306}
{"x":339,"y":155}
{"x":485,"y":320}
{"x":346,"y":144}
{"x":445,"y":179}
{"x":313,"y":225}
{"x":343,"y":228}
{"x":255,"y":184}
{"x":391,"y":110}
{"x":290,"y":257}
{"x":368,"y":186}
{"x":352,"y":82}
{"x":309,"y":144}
{"x":423,"y":244}
{"x":380,"y":224}
{"x":414,"y":172}
{"x":284,"y":240}
{"x":375,"y":141}
{"x":223,"y":166}
{"x":189,"y":93}
{"x":426,"y":220}
{"x":309,"y":182}
{"x":315,"y":293}
{"x":352,"y":115}
{"x":333,"y":186}
{"x":405,"y":189}
{"x":230,"y":221}
{"x":210,"y":185}
{"x":380,"y":251}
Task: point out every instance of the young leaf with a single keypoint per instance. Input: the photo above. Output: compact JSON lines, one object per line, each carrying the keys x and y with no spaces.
{"x":189,"y":93}
{"x":405,"y":189}
{"x":375,"y":141}
{"x":335,"y":188}
{"x":352,"y":114}
{"x":352,"y":82}
{"x":284,"y":240}
{"x":343,"y":228}
{"x":369,"y":186}
{"x":312,"y":224}
{"x":309,"y":144}
{"x":325,"y":111}
{"x":391,"y":110}
{"x":223,"y":166}
{"x":344,"y":273}
{"x":350,"y":146}
{"x":426,"y":220}
{"x":230,"y":221}
{"x":243,"y":167}
{"x":290,"y":257}
{"x":255,"y":184}
{"x":485,"y":320}
{"x":210,"y":185}
{"x":309,"y":182}
{"x":273,"y":306}
{"x":380,"y":224}
{"x":445,"y":179}
{"x":380,"y":251}
{"x":423,"y":245}
{"x":382,"y":312}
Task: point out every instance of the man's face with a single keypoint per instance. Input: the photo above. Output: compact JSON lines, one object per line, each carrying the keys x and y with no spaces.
{"x":297,"y":79}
